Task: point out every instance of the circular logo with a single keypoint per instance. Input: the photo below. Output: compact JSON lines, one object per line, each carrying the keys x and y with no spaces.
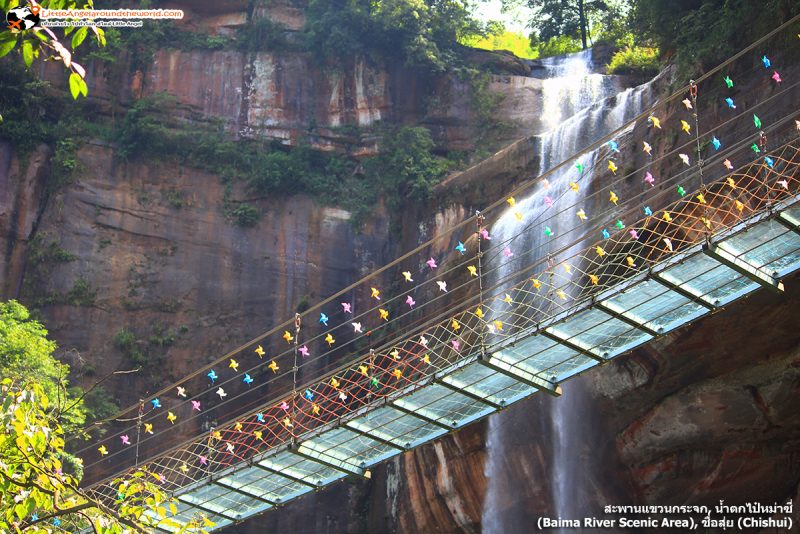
{"x":22,"y":18}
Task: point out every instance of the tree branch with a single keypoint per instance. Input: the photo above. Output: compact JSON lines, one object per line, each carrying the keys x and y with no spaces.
{"x":62,"y":512}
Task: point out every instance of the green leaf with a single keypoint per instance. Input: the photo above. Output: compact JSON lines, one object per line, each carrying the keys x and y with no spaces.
{"x":75,"y":85}
{"x":7,"y":43}
{"x":79,"y":36}
{"x":27,"y":53}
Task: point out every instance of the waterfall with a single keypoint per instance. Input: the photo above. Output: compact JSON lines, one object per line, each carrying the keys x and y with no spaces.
{"x":579,"y":106}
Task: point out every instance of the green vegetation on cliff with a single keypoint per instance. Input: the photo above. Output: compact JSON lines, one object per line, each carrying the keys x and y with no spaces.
{"x":406,"y":165}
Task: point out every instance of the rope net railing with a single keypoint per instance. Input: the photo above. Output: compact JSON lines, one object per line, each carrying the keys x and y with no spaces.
{"x":545,"y":292}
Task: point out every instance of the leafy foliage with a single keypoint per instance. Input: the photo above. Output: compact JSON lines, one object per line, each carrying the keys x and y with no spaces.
{"x":702,"y":33}
{"x":565,"y":18}
{"x":555,"y":46}
{"x":26,"y":352}
{"x":502,"y":39}
{"x":635,"y":60}
{"x":245,"y":214}
{"x":126,"y":341}
{"x":417,"y":32}
{"x":268,"y":169}
{"x":262,"y":34}
{"x":406,"y":168}
{"x":81,"y":293}
{"x":27,"y":110}
{"x":36,"y":492}
{"x":44,"y":42}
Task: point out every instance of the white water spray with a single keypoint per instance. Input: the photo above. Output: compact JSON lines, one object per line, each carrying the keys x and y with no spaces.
{"x":575,"y":113}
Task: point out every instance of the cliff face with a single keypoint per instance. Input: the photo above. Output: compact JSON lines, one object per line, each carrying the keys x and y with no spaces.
{"x":154,"y":247}
{"x":294,"y":96}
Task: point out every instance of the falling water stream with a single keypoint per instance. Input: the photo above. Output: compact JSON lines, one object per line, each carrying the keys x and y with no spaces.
{"x":578,"y":109}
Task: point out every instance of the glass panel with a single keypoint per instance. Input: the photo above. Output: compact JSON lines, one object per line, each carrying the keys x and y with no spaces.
{"x":568,"y":368}
{"x":655,"y":306}
{"x":488,"y":384}
{"x":704,"y":276}
{"x":266,"y":484}
{"x":546,"y":357}
{"x":447,"y":407}
{"x":599,"y":333}
{"x":215,"y":499}
{"x":794,"y":211}
{"x":768,"y":245}
{"x":349,"y":447}
{"x":390,"y":424}
{"x":187,"y":513}
{"x":538,"y":353}
{"x":224,"y":501}
{"x":297,"y":467}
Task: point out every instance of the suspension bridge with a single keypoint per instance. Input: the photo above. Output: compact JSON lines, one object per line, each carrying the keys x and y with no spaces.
{"x":456,"y":336}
